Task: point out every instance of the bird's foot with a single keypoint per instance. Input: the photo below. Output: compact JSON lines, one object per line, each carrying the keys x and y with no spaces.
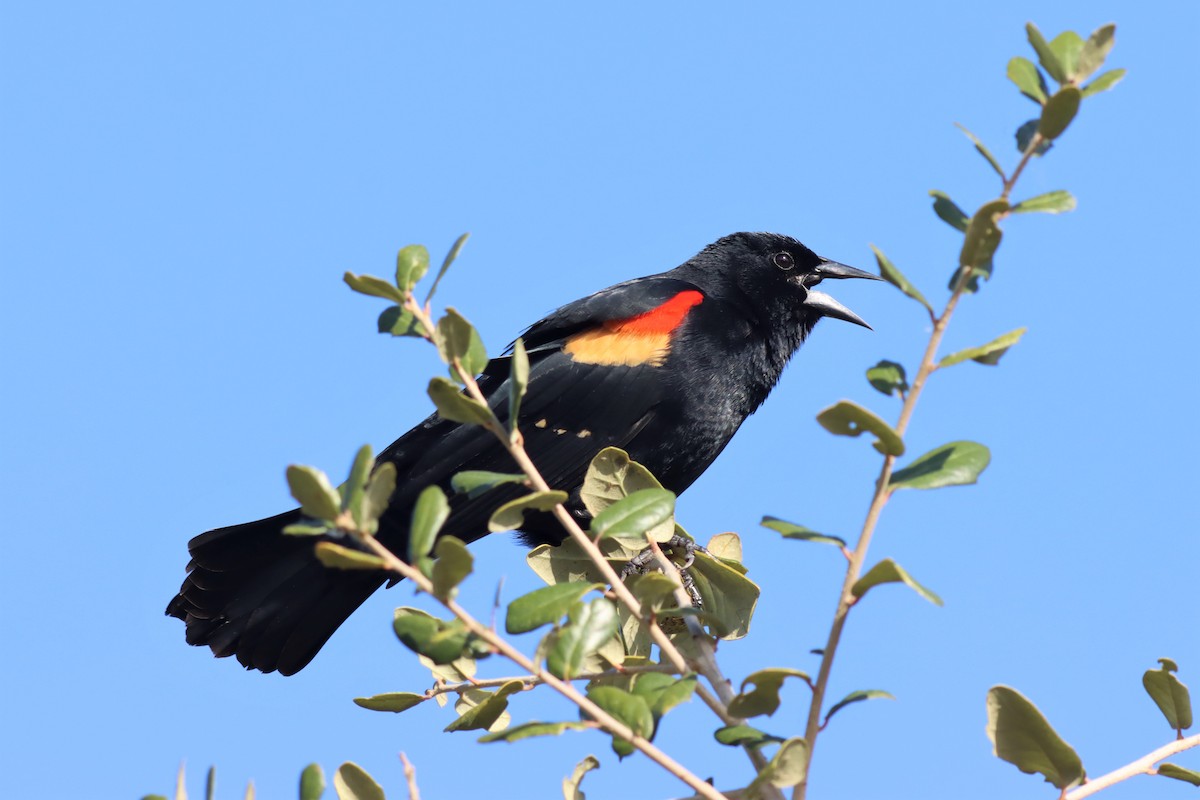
{"x":640,"y":564}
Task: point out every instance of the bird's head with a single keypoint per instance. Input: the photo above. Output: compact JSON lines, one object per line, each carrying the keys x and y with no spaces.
{"x":774,"y":277}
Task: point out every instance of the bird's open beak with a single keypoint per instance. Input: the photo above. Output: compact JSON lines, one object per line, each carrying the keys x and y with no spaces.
{"x":825,"y":305}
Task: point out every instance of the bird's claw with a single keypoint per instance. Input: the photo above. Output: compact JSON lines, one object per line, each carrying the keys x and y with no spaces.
{"x":638,"y":564}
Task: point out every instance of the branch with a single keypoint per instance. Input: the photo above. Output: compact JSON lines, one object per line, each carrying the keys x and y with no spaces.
{"x":410,"y":776}
{"x":1143,"y":766}
{"x":533,"y":680}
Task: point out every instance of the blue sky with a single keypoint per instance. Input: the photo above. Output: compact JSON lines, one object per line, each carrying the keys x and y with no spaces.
{"x":183,"y":186}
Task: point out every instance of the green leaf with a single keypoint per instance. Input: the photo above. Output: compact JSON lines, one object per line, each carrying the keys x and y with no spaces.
{"x":339,"y":557}
{"x":895,"y":277}
{"x":628,"y":708}
{"x":455,"y":406}
{"x":530,"y":729}
{"x":653,"y":589}
{"x":355,"y":488}
{"x":570,"y":786}
{"x":1045,"y":53}
{"x":1179,"y":773}
{"x":1025,"y":138}
{"x":1094,"y":51}
{"x":787,"y":768}
{"x":743,"y":736}
{"x":1021,"y":736}
{"x":888,"y":571}
{"x":1058,"y":112}
{"x":351,"y":782}
{"x":455,"y":249}
{"x":379,"y":493}
{"x":1104,"y":82}
{"x":399,"y":322}
{"x":454,"y":563}
{"x":474,"y":482}
{"x":858,"y":697}
{"x":1028,"y":79}
{"x":635,"y":514}
{"x":511,"y":515}
{"x":663,"y":692}
{"x":764,"y":697}
{"x":544,"y":606}
{"x":989,"y":353}
{"x":948,"y":211}
{"x":312,"y":782}
{"x":1170,"y":695}
{"x":791,"y":530}
{"x":373,"y":287}
{"x":611,"y":476}
{"x":391,"y":701}
{"x":487,"y":713}
{"x":307,"y":529}
{"x":311,"y":488}
{"x":849,"y":419}
{"x":728,"y":596}
{"x":429,"y":514}
{"x":887,"y":377}
{"x":983,"y":151}
{"x":981,"y":240}
{"x":210,"y":783}
{"x":518,"y":380}
{"x":592,"y":625}
{"x":412,"y":262}
{"x":441,"y":641}
{"x":1054,"y":202}
{"x":954,"y":464}
{"x":457,"y":339}
{"x":1068,"y":46}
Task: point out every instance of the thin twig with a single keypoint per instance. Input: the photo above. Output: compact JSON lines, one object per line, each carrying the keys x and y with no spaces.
{"x":410,"y":776}
{"x":1143,"y":766}
{"x":533,"y":680}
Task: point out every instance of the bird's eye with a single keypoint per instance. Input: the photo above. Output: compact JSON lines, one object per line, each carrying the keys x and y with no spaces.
{"x":783,"y":261}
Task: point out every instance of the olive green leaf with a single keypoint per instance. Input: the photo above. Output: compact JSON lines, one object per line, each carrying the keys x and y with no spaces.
{"x":379,"y":493}
{"x":511,"y":515}
{"x":312,"y":782}
{"x":1028,"y":79}
{"x":894,"y":276}
{"x":1170,"y":695}
{"x":373,"y":287}
{"x":474,"y":482}
{"x":845,"y":418}
{"x":1054,"y":202}
{"x":530,"y":729}
{"x":948,"y":211}
{"x":485,"y":708}
{"x":1021,"y":736}
{"x":429,"y":514}
{"x":983,"y":151}
{"x":454,"y":563}
{"x":570,"y":786}
{"x":391,"y":701}
{"x":412,"y":262}
{"x":980,"y":244}
{"x":764,"y":697}
{"x":352,"y":782}
{"x":887,"y":377}
{"x":544,"y":606}
{"x":1104,"y":82}
{"x":953,"y":464}
{"x":518,"y":380}
{"x":888,"y":571}
{"x":1068,"y":46}
{"x":455,"y":406}
{"x":743,"y":736}
{"x":858,"y":697}
{"x":311,"y":488}
{"x":1058,"y":112}
{"x":591,"y":626}
{"x":989,"y":353}
{"x":1046,"y":55}
{"x":1025,"y":135}
{"x":635,"y":514}
{"x":611,"y":476}
{"x":1094,"y":51}
{"x":791,"y":530}
{"x":787,"y":767}
{"x":1179,"y":773}
{"x":457,"y":339}
{"x":339,"y":557}
{"x":399,"y":322}
{"x":630,"y":709}
{"x":442,"y":641}
{"x":354,"y":490}
{"x":455,"y":249}
{"x":728,"y":596}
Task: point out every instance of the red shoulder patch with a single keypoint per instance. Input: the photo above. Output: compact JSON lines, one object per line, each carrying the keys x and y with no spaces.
{"x":634,"y":341}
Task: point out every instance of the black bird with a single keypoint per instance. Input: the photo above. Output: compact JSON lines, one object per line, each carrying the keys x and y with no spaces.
{"x":666,"y":367}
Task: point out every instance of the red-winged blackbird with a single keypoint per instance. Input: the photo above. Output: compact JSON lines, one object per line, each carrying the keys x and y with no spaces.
{"x":666,"y":367}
